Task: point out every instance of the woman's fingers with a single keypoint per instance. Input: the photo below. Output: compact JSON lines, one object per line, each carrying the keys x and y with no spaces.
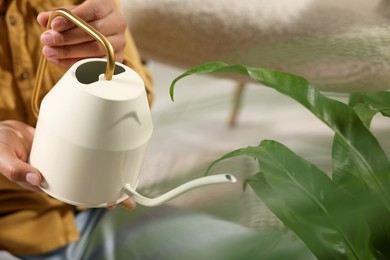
{"x":20,"y":172}
{"x":43,"y":17}
{"x":88,"y":11}
{"x":75,"y":35}
{"x":68,"y":54}
{"x":65,"y":44}
{"x":128,"y":204}
{"x":15,"y":145}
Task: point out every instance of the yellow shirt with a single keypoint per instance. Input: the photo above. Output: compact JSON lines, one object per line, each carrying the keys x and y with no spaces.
{"x":30,"y":222}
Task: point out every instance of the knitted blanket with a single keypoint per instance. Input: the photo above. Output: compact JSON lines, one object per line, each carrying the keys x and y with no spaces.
{"x":337,"y":45}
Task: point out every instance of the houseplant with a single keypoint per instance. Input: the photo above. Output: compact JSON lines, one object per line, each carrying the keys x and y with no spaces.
{"x":342,"y":216}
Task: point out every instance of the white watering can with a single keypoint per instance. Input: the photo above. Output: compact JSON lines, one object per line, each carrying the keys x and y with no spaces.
{"x":92,"y":132}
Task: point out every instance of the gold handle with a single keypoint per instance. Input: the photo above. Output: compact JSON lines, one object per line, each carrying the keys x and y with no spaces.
{"x":86,"y":28}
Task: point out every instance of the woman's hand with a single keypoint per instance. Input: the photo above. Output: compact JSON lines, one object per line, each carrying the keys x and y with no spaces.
{"x":129,"y":204}
{"x":65,"y":44}
{"x":15,"y":145}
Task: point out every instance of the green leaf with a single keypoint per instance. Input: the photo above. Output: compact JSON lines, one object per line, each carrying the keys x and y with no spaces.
{"x":203,"y":69}
{"x":377,"y":100}
{"x":367,"y":105}
{"x":366,"y":113}
{"x":307,"y":201}
{"x":349,"y":170}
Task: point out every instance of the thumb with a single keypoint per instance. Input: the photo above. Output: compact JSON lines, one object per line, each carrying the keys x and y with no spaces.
{"x":57,"y":22}
{"x":21,"y":173}
{"x":88,"y":11}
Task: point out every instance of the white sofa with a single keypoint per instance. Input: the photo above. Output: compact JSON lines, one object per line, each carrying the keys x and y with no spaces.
{"x":338,"y":45}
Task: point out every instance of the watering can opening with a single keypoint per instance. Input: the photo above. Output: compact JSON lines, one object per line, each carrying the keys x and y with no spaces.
{"x":89,"y":72}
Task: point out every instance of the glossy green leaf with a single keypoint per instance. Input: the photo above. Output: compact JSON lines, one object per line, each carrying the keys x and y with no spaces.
{"x":366,"y":113}
{"x":348,"y":170}
{"x":367,"y":105}
{"x":378,"y":100}
{"x":307,"y":201}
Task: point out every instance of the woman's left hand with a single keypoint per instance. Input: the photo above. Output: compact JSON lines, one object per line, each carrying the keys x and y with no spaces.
{"x":65,"y":44}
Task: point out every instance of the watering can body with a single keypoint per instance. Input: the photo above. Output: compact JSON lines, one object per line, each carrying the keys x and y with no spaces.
{"x":91,"y":137}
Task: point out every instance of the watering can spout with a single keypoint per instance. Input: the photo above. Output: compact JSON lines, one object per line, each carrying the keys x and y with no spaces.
{"x":203,"y":181}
